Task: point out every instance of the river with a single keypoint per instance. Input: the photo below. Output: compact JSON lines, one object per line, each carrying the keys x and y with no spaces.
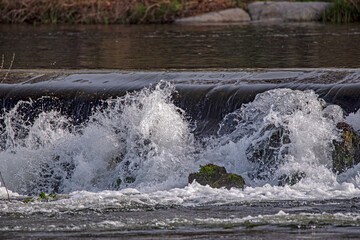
{"x":112,"y":119}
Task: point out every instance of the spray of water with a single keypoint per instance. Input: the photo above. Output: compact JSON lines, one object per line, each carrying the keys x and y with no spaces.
{"x":282,"y":132}
{"x":143,"y":141}
{"x":140,"y":140}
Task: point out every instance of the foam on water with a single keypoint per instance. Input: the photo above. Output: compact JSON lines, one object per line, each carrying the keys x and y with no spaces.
{"x":138,"y":150}
{"x":353,"y":120}
{"x":281,"y":219}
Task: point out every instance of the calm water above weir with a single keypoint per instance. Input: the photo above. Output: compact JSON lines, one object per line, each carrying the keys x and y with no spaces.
{"x":175,"y":46}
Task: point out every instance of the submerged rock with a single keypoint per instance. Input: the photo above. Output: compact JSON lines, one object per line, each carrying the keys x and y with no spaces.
{"x":216,"y":177}
{"x":51,"y":176}
{"x":291,"y":180}
{"x":268,"y":151}
{"x":346,"y":153}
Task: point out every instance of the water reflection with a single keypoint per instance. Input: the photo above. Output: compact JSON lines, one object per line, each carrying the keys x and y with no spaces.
{"x":177,"y":46}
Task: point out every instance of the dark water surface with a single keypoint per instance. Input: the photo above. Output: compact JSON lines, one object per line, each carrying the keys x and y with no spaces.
{"x":310,"y":45}
{"x":303,"y":220}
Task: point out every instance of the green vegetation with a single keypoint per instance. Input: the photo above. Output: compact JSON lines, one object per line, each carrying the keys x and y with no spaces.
{"x":216,"y":177}
{"x":343,"y":11}
{"x":106,"y":11}
{"x":129,"y":179}
{"x":118,"y":183}
{"x":43,"y":197}
{"x":139,"y":11}
{"x":47,"y":198}
{"x":207,"y":174}
{"x":229,"y":180}
{"x":313,"y":0}
{"x":28,"y":200}
{"x":126,"y":180}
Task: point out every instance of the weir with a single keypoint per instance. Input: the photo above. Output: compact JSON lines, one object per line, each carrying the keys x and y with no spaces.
{"x":206,"y":96}
{"x":97,"y":130}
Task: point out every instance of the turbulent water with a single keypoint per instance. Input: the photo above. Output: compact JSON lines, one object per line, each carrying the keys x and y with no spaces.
{"x":124,"y":166}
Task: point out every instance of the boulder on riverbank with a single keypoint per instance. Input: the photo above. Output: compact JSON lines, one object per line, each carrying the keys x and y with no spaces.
{"x":229,"y":15}
{"x":346,"y":152}
{"x":287,"y":11}
{"x":216,"y":177}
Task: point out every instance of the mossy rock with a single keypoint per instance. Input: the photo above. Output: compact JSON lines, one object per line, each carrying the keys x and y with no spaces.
{"x":216,"y":177}
{"x":207,"y":174}
{"x":291,"y":180}
{"x":44,"y":197}
{"x":229,"y":180}
{"x":346,"y":153}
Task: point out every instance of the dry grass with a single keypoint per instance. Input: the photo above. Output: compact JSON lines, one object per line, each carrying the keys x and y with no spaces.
{"x":2,"y":62}
{"x":2,"y":179}
{"x":2,"y":66}
{"x":105,"y":11}
{"x":343,"y":11}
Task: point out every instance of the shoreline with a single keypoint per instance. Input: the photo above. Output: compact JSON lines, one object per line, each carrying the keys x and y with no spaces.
{"x":107,"y":12}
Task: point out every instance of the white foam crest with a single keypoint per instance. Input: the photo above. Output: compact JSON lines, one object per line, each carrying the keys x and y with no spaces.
{"x":192,"y":195}
{"x":144,"y":140}
{"x":152,"y":140}
{"x":141,"y":139}
{"x":19,"y":131}
{"x":282,"y":131}
{"x":354,"y":120}
{"x":27,"y":146}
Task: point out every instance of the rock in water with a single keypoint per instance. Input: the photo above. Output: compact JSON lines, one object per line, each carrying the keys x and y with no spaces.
{"x":207,"y":174}
{"x":229,"y":180}
{"x":216,"y":177}
{"x":346,"y":152}
{"x":268,"y":151}
{"x":291,"y":180}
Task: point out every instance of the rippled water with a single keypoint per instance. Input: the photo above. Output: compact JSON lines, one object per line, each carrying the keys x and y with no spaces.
{"x":174,"y":46}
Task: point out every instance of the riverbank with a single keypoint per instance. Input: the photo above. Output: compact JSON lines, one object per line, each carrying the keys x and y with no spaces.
{"x":106,"y":11}
{"x":147,"y":11}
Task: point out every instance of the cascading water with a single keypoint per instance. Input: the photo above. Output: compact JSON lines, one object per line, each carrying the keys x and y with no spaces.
{"x":127,"y":143}
{"x":281,"y":132}
{"x":142,"y":140}
{"x":112,"y":159}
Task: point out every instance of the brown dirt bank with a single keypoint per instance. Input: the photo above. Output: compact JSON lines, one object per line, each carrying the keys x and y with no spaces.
{"x":106,"y":11}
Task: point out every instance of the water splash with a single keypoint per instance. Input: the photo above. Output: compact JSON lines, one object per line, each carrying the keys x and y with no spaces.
{"x":140,"y":140}
{"x":143,"y":141}
{"x":154,"y":145}
{"x":281,"y":132}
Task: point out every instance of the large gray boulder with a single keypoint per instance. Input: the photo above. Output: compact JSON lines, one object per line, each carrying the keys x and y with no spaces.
{"x":287,"y":11}
{"x":229,"y":15}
